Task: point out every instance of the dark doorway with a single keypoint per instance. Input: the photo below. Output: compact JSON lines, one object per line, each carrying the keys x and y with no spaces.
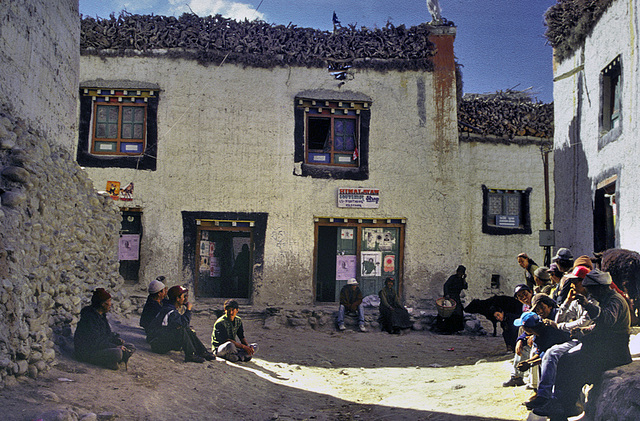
{"x":604,"y":218}
{"x":129,"y":246}
{"x":326,"y":273}
{"x":225,"y":260}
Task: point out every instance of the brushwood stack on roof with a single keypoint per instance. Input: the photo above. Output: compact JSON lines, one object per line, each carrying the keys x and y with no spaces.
{"x":569,"y":22}
{"x":504,"y":117}
{"x":214,"y":39}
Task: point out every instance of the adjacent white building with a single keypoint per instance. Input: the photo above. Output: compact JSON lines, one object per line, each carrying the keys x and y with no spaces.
{"x":596,"y":128}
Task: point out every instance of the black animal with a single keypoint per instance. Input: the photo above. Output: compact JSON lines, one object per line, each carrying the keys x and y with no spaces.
{"x":506,"y":303}
{"x":624,"y":267}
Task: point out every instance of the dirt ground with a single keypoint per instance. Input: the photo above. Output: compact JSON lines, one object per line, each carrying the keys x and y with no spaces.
{"x":297,"y":374}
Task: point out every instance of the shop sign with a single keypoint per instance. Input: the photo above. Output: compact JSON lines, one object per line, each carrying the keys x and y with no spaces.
{"x":358,"y":198}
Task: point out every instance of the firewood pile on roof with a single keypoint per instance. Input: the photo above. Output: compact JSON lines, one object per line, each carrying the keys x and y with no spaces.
{"x":569,"y":22}
{"x":503,"y":117}
{"x":216,"y":39}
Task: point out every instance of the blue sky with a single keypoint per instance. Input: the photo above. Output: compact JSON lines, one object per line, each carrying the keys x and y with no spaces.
{"x":500,"y":43}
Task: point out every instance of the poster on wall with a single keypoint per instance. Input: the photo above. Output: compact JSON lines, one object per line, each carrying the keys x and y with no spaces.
{"x":129,"y":247}
{"x":346,"y":234}
{"x":204,"y":248}
{"x":371,"y":263}
{"x":346,"y":266}
{"x":204,"y":263}
{"x":379,"y":238}
{"x":389,"y":264}
{"x":113,"y":188}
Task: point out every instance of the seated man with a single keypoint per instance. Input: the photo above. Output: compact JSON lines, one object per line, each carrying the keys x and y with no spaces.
{"x":170,"y":330}
{"x":225,"y":330}
{"x":157,"y":293}
{"x":393,"y":315}
{"x":94,"y":342}
{"x":351,"y":301}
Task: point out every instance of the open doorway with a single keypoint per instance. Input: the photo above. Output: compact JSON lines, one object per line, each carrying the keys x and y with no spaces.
{"x":604,"y":215}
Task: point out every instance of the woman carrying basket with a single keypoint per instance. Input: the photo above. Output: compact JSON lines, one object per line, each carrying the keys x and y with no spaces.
{"x":452,"y":289}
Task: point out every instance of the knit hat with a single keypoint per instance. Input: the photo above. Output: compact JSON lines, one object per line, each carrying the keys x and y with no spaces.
{"x":156,"y":286}
{"x":100,"y":295}
{"x":542,"y":298}
{"x":583,"y":261}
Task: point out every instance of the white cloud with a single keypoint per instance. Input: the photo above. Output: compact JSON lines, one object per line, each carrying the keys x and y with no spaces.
{"x":230,"y":9}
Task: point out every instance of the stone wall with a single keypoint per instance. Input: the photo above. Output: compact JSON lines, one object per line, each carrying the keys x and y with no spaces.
{"x":58,"y":238}
{"x":59,"y":241}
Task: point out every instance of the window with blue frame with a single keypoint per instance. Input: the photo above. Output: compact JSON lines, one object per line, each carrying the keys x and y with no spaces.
{"x":332,"y":137}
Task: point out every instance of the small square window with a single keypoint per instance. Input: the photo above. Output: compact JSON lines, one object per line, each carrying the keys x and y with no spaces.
{"x":506,"y":211}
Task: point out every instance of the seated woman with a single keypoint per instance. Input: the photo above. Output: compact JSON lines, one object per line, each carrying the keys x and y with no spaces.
{"x":393,"y":316}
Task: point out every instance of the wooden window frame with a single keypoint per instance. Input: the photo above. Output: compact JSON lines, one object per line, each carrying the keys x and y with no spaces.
{"x":328,"y":113}
{"x":91,"y":96}
{"x":118,"y":140}
{"x":357,"y":108}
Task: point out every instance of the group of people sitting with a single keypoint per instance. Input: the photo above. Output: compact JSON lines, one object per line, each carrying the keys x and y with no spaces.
{"x":394,"y":317}
{"x":166,"y":320}
{"x":575,"y":325}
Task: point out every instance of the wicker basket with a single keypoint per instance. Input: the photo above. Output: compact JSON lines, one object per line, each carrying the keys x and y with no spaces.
{"x":445,"y":307}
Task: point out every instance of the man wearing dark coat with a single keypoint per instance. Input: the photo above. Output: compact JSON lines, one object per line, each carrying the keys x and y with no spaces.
{"x":94,"y":342}
{"x":393,"y":316}
{"x":452,"y":290}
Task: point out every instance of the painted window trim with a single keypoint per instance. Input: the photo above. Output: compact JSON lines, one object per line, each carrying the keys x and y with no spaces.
{"x":524,"y":214}
{"x":361,"y":172}
{"x":147,"y":160}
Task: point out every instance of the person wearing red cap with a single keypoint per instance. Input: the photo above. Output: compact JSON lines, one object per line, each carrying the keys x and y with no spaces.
{"x":170,"y":330}
{"x":94,"y":342}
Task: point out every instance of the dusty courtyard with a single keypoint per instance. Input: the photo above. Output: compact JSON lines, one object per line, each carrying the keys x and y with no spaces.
{"x":298,"y":374}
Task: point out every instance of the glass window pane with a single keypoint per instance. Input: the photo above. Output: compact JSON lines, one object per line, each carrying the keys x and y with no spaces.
{"x":127,"y":114}
{"x":137,"y":131}
{"x":139,"y":115}
{"x":126,"y":131}
{"x":112,"y":131}
{"x":113,"y":114}
{"x":101,"y":130}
